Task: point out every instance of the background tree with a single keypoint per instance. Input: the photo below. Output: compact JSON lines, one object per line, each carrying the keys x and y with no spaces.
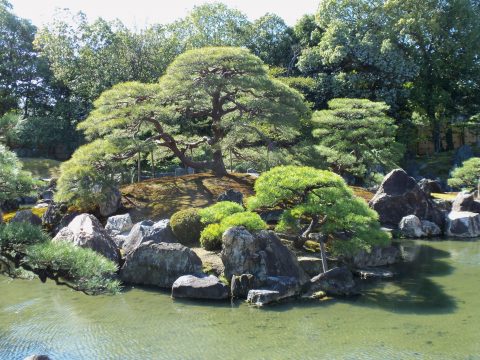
{"x":14,"y":182}
{"x":206,"y":97}
{"x":318,"y":201}
{"x":466,"y":176}
{"x":356,"y":137}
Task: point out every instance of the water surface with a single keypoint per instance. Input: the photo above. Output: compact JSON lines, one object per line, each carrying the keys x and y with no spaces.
{"x":431,"y":311}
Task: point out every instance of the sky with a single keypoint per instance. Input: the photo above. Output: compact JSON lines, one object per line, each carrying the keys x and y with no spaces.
{"x":140,"y":13}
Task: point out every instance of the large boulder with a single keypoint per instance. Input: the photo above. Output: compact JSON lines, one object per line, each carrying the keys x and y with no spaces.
{"x":119,"y":224}
{"x":378,"y":256}
{"x":26,"y":216}
{"x":465,"y":201}
{"x":159,"y":264}
{"x":463,"y":224}
{"x":398,"y":196}
{"x":261,"y":254}
{"x":231,"y":195}
{"x":336,"y":282}
{"x":87,"y":232}
{"x":430,"y":229}
{"x":146,"y":231}
{"x":199,"y":287}
{"x":430,"y":186}
{"x":111,"y":202}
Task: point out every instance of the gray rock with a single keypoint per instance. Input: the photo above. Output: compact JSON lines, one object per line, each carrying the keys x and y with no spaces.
{"x":119,"y":224}
{"x":231,"y":195}
{"x":1,"y":217}
{"x":311,"y":265}
{"x":86,"y":231}
{"x":336,"y":282}
{"x":378,"y":256}
{"x":57,"y":217}
{"x":242,"y":284}
{"x":148,"y":231}
{"x":430,"y":229}
{"x":26,"y":216}
{"x":465,"y":201}
{"x":159,"y":264}
{"x":411,"y":227}
{"x":399,"y":196}
{"x":199,"y":287}
{"x":444,"y":206}
{"x":430,"y":186}
{"x":263,"y":297}
{"x":111,"y":204}
{"x":463,"y":224}
{"x":261,"y":254}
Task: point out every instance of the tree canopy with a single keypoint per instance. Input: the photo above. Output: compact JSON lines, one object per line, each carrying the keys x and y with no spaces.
{"x":466,"y":176}
{"x":14,"y":182}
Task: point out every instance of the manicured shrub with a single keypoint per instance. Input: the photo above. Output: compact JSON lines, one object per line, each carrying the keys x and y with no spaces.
{"x":211,"y":237}
{"x":219,"y":211}
{"x":467,"y":176}
{"x":250,"y":220}
{"x":186,"y":226}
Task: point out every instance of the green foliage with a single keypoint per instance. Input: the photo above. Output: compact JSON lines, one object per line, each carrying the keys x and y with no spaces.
{"x":356,"y":137}
{"x":186,"y":226}
{"x":466,"y":176}
{"x":85,"y":269}
{"x":14,"y":182}
{"x":89,"y":176}
{"x":211,"y":237}
{"x":219,"y":211}
{"x":307,"y":194}
{"x":250,"y":220}
{"x":20,"y":235}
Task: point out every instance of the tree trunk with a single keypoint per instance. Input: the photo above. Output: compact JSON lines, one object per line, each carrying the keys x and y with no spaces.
{"x":449,"y":138}
{"x":218,"y":166}
{"x":324,"y":256}
{"x":437,"y":136}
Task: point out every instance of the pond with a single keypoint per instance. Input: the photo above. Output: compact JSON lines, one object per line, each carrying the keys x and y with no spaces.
{"x":430,"y":311}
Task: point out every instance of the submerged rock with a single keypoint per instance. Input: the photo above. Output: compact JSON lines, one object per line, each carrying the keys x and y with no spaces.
{"x":399,"y":196}
{"x":199,"y":287}
{"x":87,"y":232}
{"x":374,"y":273}
{"x":463,"y":224}
{"x":159,"y":264}
{"x":37,"y":357}
{"x":27,"y":216}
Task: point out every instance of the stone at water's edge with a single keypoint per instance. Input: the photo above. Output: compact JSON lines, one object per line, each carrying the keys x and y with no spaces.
{"x":412,"y":227}
{"x":398,"y":196}
{"x":26,"y":216}
{"x":336,"y":282}
{"x":378,"y":256}
{"x":463,"y":224}
{"x":263,"y":297}
{"x":87,"y":232}
{"x":465,"y":201}
{"x":199,"y":287}
{"x":261,"y":254}
{"x":240,"y":285}
{"x":159,"y":264}
{"x":148,"y":231}
{"x":37,"y":357}
{"x":311,"y":265}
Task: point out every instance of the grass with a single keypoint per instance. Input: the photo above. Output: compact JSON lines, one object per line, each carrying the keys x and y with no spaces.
{"x":160,"y":198}
{"x":446,"y":196}
{"x":362,"y":193}
{"x":42,"y":168}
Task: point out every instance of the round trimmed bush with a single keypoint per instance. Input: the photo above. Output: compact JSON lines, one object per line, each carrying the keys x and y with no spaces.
{"x":250,"y":220}
{"x":211,"y":237}
{"x":186,"y":226}
{"x":219,"y":211}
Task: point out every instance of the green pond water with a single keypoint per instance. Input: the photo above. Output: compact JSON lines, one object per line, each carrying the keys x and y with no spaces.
{"x":430,"y":311}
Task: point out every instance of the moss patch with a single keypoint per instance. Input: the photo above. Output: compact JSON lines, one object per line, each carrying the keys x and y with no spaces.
{"x":37,"y":211}
{"x":362,"y":193}
{"x":42,"y":168}
{"x":446,"y":196}
{"x":160,"y":198}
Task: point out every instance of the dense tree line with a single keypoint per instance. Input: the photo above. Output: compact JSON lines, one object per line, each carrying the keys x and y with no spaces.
{"x":420,"y":58}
